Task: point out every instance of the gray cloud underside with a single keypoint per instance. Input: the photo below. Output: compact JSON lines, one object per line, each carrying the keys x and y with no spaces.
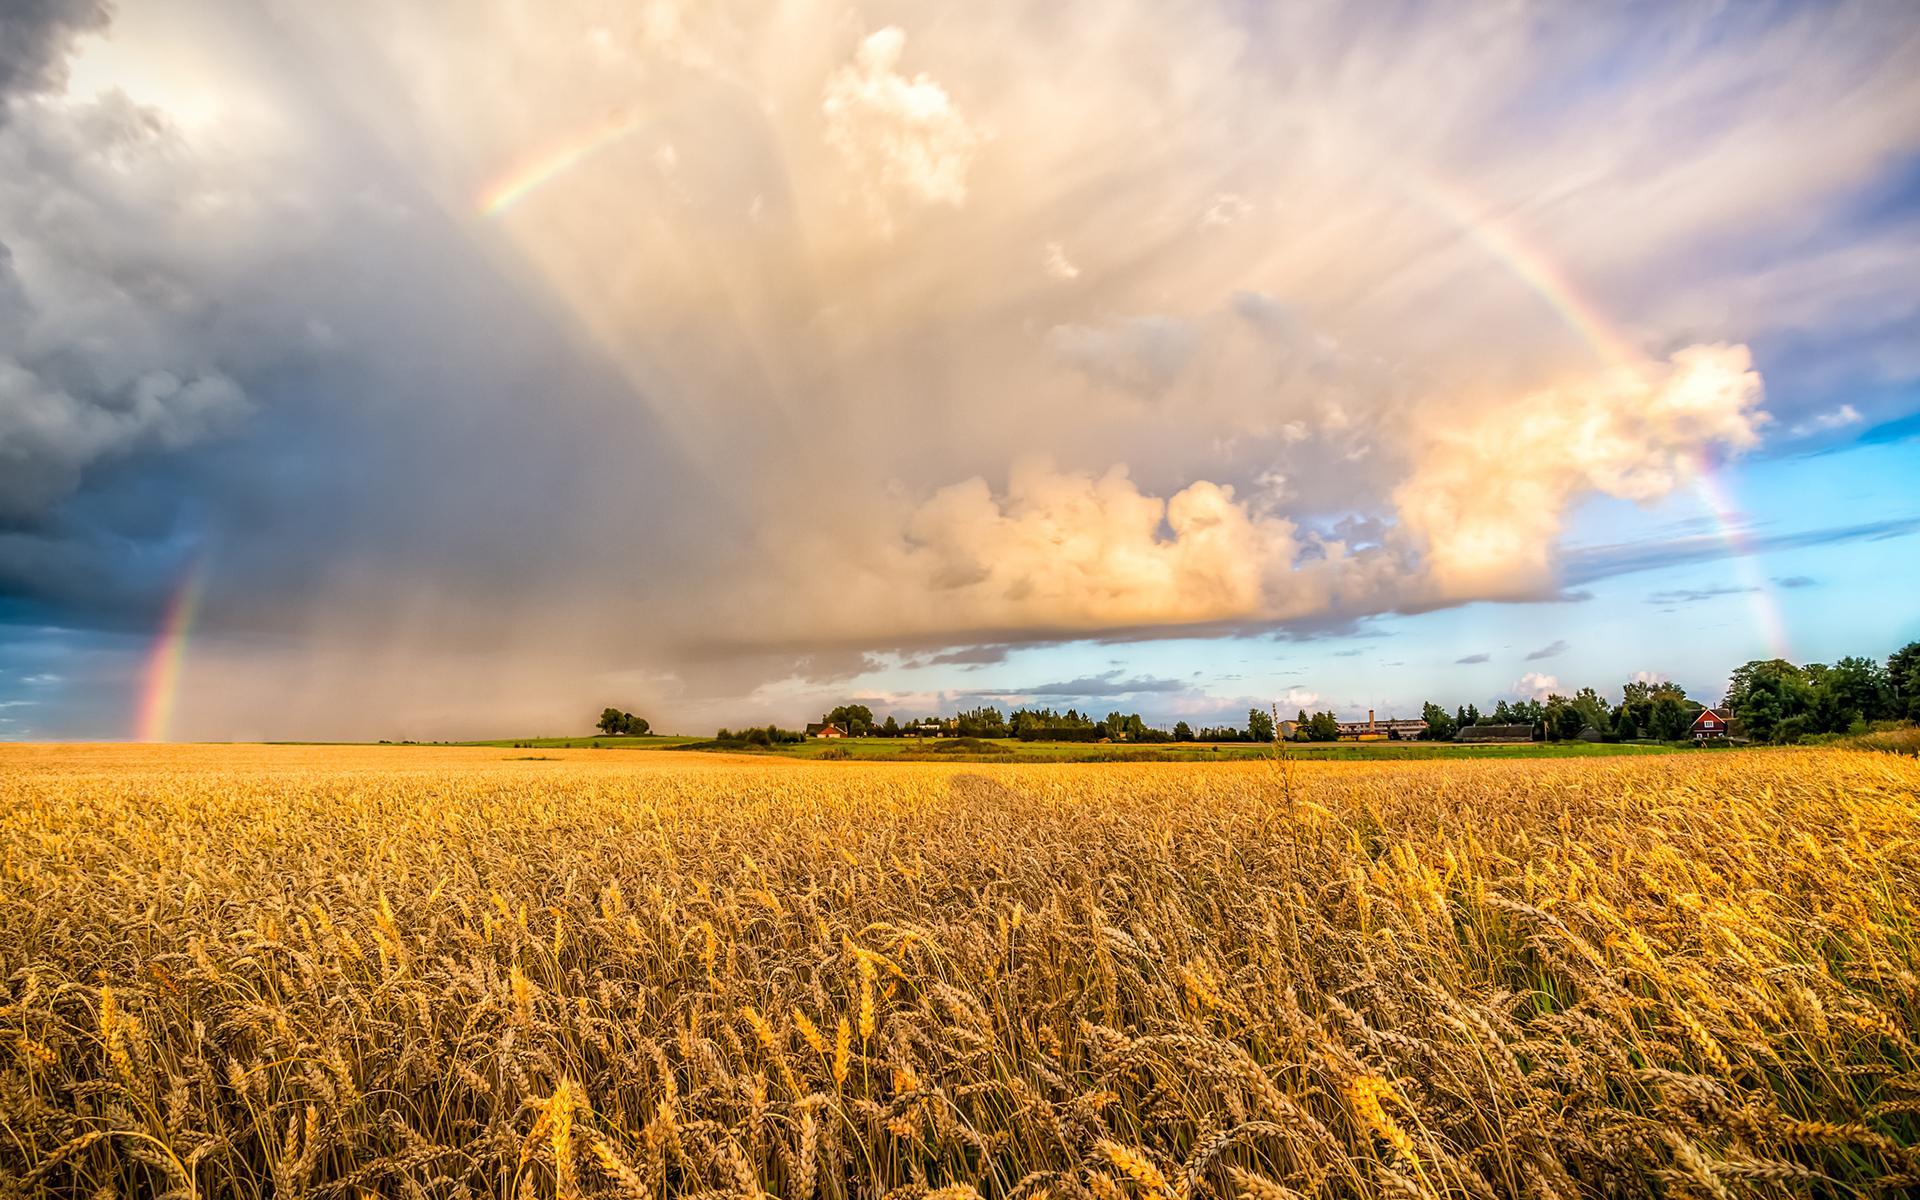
{"x":34,"y":38}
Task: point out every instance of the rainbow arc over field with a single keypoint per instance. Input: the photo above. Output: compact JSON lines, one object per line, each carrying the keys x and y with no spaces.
{"x":1539,"y":272}
{"x":167,"y":660}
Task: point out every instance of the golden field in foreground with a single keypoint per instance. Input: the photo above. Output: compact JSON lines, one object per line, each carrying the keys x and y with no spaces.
{"x":318,"y":971}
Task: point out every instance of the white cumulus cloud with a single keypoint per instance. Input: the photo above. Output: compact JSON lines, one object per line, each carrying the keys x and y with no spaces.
{"x":1838,"y":418}
{"x":1488,"y":493}
{"x":1536,"y":686}
{"x":899,"y":134}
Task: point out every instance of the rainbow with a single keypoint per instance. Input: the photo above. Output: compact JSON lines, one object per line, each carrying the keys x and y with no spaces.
{"x":1545,"y":278}
{"x":548,"y":165}
{"x":165,"y":661}
{"x":1731,"y":529}
{"x":1534,"y":268}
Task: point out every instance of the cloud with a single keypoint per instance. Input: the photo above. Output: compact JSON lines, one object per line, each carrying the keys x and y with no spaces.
{"x":1826,"y":422}
{"x":1585,"y":564}
{"x":1487,"y":497}
{"x":1107,"y":684}
{"x":1535,"y":686}
{"x":112,"y":337}
{"x":1548,"y":651}
{"x":1473,"y":658}
{"x":1080,"y":551}
{"x":1695,"y":595}
{"x":1057,"y":264}
{"x":34,"y":36}
{"x":970,"y":656}
{"x":48,"y":436}
{"x":899,"y":135}
{"x":1142,"y":355}
{"x":1795,"y":581}
{"x":1225,"y":209}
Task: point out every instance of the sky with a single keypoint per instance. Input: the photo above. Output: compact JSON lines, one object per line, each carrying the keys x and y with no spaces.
{"x":451,"y":370}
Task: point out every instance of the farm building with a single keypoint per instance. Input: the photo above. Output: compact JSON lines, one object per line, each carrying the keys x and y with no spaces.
{"x":1495,"y":733}
{"x":1372,"y":729}
{"x":1711,"y":723}
{"x":825,"y":730}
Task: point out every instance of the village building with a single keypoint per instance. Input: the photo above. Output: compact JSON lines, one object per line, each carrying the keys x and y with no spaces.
{"x":1371,"y":730}
{"x":1711,"y":723}
{"x":826,"y":729}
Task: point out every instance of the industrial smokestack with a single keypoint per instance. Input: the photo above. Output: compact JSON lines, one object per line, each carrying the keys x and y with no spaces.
{"x":1369,"y":720}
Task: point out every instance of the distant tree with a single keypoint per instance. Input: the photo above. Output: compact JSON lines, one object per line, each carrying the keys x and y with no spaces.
{"x":614,"y":721}
{"x":1763,"y":694}
{"x":1637,"y":697}
{"x":856,"y":719}
{"x":1440,"y":726}
{"x":1259,"y":725}
{"x":1623,"y":725}
{"x":1670,"y":718}
{"x":1136,"y":729}
{"x":1182,"y":732}
{"x":1903,"y":679}
{"x":1561,"y":720}
{"x":1853,"y":689}
{"x":985,"y":722}
{"x":1322,"y":727}
{"x":891,"y":728}
{"x":1593,"y":710}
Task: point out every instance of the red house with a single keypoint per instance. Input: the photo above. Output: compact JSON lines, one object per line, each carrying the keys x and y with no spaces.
{"x":1711,"y":723}
{"x":825,"y":729}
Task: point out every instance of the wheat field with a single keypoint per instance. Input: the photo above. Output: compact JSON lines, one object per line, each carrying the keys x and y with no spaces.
{"x":422,"y":972}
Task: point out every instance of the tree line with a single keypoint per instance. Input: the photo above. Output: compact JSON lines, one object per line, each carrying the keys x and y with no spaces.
{"x":1767,"y":700}
{"x":1048,"y":725}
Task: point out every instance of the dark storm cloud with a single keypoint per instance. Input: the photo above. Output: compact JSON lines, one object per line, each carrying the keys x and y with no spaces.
{"x":372,"y":408}
{"x":34,"y":36}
